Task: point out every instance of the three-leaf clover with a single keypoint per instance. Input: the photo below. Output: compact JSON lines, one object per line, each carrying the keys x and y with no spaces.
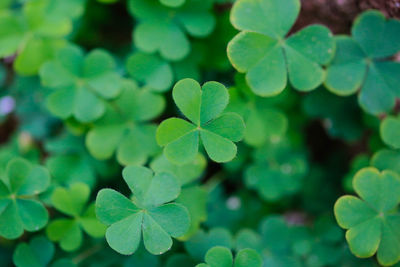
{"x":73,"y":202}
{"x":203,"y":106}
{"x":147,"y":215}
{"x":19,"y":210}
{"x":124,"y":129}
{"x":82,"y":83}
{"x":389,"y":130}
{"x":164,"y":29}
{"x":262,"y":52}
{"x":372,"y":221}
{"x":222,"y":257}
{"x":361,"y":62}
{"x":36,"y":32}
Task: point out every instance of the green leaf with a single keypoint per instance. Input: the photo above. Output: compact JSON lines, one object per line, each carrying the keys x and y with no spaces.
{"x":278,"y":171}
{"x":194,"y":198}
{"x":219,"y":256}
{"x":172,"y":3}
{"x":65,"y":231}
{"x":361,"y":63}
{"x":73,"y":202}
{"x":89,"y":80}
{"x":385,"y":31}
{"x":37,"y":253}
{"x":222,"y":257}
{"x":386,"y":159}
{"x":248,"y":257}
{"x":11,"y":34}
{"x":198,"y":245}
{"x":370,"y":220}
{"x":186,"y":173}
{"x":151,"y":70}
{"x":203,"y":107}
{"x":124,"y":130}
{"x":19,"y":210}
{"x":148,"y":215}
{"x":389,"y":128}
{"x":261,"y":51}
{"x":163,"y":29}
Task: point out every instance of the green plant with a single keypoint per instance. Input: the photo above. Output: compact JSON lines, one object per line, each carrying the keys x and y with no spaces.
{"x":361,"y":61}
{"x":198,"y":133}
{"x":262,"y":40}
{"x":203,"y":107}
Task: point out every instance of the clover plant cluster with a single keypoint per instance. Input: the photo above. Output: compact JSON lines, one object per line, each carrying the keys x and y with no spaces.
{"x":208,"y":133}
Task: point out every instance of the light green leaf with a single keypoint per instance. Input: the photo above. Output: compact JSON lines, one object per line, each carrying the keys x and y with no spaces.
{"x":369,"y":221}
{"x":203,"y":107}
{"x":261,"y":51}
{"x":147,"y":215}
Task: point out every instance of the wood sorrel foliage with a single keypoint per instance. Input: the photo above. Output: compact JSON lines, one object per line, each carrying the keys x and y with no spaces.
{"x":196,"y":133}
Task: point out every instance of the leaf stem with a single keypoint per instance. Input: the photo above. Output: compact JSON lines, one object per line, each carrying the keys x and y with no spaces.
{"x":87,"y":253}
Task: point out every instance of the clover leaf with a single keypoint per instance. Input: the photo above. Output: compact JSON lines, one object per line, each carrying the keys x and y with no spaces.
{"x":19,"y":209}
{"x":386,"y":159}
{"x":82,"y":83}
{"x":222,"y":257}
{"x":147,"y":215}
{"x":264,"y":122}
{"x":278,"y":170}
{"x":198,"y":245}
{"x":203,"y":107}
{"x":124,"y":129}
{"x":361,"y":63}
{"x":73,"y":202}
{"x":151,"y":70}
{"x":172,"y":3}
{"x":164,"y":29}
{"x":194,"y":198}
{"x":157,"y":74}
{"x":185,"y":173}
{"x":262,"y":52}
{"x":37,"y":253}
{"x":389,"y":129}
{"x":371,"y":221}
{"x":36,"y":32}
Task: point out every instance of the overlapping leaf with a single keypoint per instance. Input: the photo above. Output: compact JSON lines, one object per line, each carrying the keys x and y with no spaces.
{"x":73,"y":202}
{"x":216,"y":130}
{"x":36,"y":33}
{"x":125,"y":130}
